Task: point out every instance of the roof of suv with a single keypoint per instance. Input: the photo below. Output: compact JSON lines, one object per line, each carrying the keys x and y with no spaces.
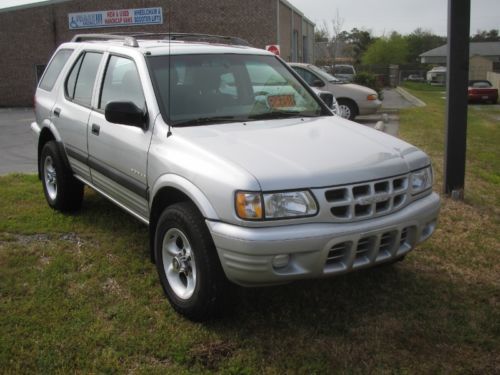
{"x":166,"y":46}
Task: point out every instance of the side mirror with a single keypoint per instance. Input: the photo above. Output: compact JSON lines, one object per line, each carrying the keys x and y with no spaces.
{"x":327,"y":98}
{"x":125,"y":113}
{"x":317,"y":83}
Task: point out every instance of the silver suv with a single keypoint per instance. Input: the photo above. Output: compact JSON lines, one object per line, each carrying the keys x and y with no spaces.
{"x":241,"y":172}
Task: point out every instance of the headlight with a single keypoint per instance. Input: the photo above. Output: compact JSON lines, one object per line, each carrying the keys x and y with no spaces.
{"x":421,"y":180}
{"x":372,"y":97}
{"x":280,"y":205}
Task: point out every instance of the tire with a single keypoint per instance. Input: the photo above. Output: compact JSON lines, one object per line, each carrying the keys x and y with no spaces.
{"x":347,"y":108}
{"x":62,"y":191}
{"x":187,"y":263}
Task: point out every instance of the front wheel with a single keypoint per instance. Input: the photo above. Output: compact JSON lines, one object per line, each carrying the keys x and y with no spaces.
{"x":347,"y":109}
{"x":187,"y":263}
{"x":62,"y":191}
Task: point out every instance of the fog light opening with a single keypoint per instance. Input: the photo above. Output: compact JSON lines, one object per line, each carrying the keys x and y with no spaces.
{"x":281,"y":261}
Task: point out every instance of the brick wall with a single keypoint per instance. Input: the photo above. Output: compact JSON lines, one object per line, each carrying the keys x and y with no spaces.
{"x":30,"y":36}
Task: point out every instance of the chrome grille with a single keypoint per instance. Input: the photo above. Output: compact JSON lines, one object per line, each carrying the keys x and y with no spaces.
{"x":367,"y":200}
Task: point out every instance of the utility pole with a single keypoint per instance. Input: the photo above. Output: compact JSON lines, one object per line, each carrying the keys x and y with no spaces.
{"x":456,"y":93}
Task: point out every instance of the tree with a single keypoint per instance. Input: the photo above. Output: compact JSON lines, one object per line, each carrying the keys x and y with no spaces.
{"x":486,"y":36}
{"x":359,"y":41}
{"x":420,"y":41}
{"x":385,"y":51}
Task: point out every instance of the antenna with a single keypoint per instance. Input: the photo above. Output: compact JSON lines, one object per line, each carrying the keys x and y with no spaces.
{"x":169,"y":132}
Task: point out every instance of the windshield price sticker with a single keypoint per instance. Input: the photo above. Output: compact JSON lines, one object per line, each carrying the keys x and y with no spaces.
{"x":281,"y":101}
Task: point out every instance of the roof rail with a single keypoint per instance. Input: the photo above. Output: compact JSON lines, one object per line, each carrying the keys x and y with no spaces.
{"x":130,"y":38}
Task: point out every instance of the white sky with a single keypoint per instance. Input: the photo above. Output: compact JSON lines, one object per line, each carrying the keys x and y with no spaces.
{"x":11,"y":3}
{"x":404,"y":16}
{"x":382,"y":16}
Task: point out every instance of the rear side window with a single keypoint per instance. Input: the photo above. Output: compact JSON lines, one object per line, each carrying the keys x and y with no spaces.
{"x":80,"y":82}
{"x":54,"y":69}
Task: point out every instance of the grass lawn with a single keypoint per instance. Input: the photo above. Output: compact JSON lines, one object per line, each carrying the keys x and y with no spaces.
{"x":79,"y":294}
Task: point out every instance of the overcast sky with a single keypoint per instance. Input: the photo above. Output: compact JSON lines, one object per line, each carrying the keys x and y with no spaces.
{"x":404,"y":16}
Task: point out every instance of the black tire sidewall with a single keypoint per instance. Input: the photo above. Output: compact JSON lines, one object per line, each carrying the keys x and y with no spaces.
{"x":50,"y":149}
{"x":351,"y":107}
{"x":69,"y":190}
{"x":184,"y":217}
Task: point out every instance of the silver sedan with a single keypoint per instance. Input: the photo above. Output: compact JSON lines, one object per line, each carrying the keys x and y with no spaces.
{"x":353,"y":99}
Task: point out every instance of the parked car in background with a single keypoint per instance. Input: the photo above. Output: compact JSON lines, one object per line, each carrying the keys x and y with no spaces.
{"x":353,"y":99}
{"x":415,"y":78}
{"x":344,"y":72}
{"x":437,"y":75}
{"x":482,"y":91}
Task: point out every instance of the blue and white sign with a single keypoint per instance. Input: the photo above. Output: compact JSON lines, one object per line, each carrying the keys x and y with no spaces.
{"x":117,"y":17}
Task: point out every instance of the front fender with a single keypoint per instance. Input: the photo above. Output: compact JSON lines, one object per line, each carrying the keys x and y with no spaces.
{"x":189,"y":189}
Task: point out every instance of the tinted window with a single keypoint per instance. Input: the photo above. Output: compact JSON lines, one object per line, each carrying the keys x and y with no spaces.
{"x":80,"y":83}
{"x":54,"y":68}
{"x":121,"y":83}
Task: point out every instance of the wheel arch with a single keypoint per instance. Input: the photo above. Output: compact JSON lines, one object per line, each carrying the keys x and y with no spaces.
{"x":350,"y":100}
{"x":170,"y":189}
{"x":47,"y":134}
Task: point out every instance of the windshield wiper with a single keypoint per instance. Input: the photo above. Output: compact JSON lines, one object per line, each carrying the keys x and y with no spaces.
{"x":207,"y":120}
{"x":278,"y":114}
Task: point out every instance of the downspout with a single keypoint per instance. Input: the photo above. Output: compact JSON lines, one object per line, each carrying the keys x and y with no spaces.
{"x":278,"y":22}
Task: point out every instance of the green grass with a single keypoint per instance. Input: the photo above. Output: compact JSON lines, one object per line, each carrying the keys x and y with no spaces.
{"x":79,"y":294}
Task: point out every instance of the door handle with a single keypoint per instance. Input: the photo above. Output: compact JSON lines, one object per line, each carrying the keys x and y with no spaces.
{"x":57,"y":112}
{"x":95,"y":129}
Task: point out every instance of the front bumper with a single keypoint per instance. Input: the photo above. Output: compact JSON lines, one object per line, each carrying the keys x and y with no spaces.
{"x":369,"y":107}
{"x":320,"y":249}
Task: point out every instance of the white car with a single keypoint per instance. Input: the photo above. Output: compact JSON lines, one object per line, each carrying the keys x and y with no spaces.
{"x":353,"y":99}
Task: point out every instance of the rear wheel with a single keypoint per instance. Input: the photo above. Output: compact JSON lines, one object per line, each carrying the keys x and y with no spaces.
{"x":62,"y":191}
{"x":187,"y":263}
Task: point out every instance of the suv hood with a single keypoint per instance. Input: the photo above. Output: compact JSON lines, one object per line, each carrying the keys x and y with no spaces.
{"x":305,"y":153}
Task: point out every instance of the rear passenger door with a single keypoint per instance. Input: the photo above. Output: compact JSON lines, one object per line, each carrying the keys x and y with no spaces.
{"x":118,"y":153}
{"x":73,"y":107}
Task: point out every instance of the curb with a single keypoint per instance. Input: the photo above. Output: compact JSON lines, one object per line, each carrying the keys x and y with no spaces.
{"x":412,"y":99}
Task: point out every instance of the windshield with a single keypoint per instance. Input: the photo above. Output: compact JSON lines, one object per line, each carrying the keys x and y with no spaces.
{"x":215,"y":88}
{"x":324,"y":74}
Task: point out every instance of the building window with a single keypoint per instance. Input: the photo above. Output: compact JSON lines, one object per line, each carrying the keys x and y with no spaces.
{"x":496,"y":67}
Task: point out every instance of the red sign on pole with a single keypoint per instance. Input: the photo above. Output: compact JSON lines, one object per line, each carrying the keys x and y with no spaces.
{"x":273,"y":48}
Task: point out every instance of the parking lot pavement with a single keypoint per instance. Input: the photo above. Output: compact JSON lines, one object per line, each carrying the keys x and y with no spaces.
{"x":17,"y":148}
{"x":387,"y":116}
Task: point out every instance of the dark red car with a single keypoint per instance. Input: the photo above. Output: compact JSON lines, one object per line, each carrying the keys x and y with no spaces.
{"x":482,"y":91}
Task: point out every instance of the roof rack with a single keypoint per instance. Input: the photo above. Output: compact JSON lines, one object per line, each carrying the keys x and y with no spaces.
{"x":130,"y":39}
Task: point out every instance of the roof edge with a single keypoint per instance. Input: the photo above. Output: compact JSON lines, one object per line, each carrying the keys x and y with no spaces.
{"x":13,"y":8}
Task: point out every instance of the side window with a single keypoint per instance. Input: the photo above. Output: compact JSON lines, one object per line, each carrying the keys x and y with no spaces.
{"x":228,"y":85}
{"x":81,"y":80}
{"x":54,"y":68}
{"x":121,"y":83}
{"x":306,"y":75}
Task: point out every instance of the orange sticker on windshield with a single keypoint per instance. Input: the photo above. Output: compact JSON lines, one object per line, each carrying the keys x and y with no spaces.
{"x":281,"y":101}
